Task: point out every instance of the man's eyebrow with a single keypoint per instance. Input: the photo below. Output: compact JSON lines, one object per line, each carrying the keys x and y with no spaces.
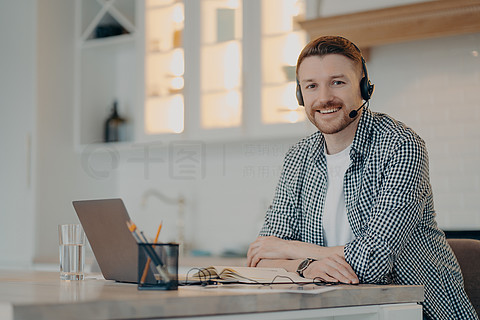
{"x":333,"y":76}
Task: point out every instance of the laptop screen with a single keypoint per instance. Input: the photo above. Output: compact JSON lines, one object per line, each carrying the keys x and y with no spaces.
{"x":105,"y":225}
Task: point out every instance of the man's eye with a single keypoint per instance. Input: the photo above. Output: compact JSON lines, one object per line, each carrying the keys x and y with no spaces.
{"x":310,"y":86}
{"x":337,"y":82}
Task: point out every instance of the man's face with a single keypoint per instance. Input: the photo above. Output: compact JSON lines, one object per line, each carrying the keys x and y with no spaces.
{"x":331,"y":90}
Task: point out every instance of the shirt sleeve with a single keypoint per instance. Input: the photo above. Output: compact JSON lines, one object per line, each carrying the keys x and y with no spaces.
{"x":281,"y":220}
{"x":405,"y":188}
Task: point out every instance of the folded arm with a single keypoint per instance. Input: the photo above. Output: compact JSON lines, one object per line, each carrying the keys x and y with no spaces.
{"x":288,"y":254}
{"x":396,"y":213}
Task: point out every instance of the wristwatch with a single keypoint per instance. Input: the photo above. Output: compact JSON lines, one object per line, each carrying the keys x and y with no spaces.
{"x":304,"y":265}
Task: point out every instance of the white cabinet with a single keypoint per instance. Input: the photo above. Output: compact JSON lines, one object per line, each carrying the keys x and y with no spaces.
{"x":221,"y":64}
{"x":106,"y":66}
{"x":214,"y":70}
{"x":19,"y":92}
{"x":399,"y":311}
{"x":164,"y":67}
{"x":282,"y":41}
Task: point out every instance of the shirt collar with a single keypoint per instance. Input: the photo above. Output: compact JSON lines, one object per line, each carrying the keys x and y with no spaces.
{"x":360,"y":143}
{"x":317,"y":146}
{"x":362,"y":139}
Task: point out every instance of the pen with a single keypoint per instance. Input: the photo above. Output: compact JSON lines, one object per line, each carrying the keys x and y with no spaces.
{"x":150,"y":252}
{"x":147,"y":265}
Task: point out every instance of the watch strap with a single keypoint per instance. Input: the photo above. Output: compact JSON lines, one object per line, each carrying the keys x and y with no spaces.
{"x":304,"y":265}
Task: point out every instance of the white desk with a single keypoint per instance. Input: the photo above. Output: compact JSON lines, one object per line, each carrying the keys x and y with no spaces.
{"x":41,"y":295}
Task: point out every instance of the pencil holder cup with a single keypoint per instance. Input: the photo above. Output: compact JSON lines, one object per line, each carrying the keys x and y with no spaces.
{"x":157,"y":266}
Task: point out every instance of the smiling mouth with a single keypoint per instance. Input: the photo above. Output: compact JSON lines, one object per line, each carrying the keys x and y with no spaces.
{"x":326,"y":111}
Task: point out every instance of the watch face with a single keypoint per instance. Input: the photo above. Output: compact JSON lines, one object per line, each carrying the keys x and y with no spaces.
{"x":304,"y":264}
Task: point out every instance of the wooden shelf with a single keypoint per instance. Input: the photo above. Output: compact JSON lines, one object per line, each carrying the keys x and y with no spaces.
{"x":401,"y":23}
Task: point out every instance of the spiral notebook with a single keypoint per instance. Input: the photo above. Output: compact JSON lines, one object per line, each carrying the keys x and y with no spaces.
{"x":249,"y":275}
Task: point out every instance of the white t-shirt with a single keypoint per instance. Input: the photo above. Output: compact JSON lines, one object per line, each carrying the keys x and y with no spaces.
{"x":336,"y":228}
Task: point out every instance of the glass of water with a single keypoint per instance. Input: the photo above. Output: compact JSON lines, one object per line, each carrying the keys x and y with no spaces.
{"x":72,"y":251}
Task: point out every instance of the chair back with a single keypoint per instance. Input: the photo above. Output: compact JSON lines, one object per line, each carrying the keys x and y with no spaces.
{"x":467,"y":252}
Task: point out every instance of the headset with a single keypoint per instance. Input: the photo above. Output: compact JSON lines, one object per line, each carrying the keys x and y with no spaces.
{"x":366,"y":88}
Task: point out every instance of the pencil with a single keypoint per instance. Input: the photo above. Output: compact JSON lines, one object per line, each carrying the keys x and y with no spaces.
{"x":149,"y":250}
{"x":133,"y":229}
{"x":147,"y":265}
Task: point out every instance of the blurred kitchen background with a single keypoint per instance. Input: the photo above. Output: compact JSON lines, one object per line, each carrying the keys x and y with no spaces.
{"x":205,"y":94}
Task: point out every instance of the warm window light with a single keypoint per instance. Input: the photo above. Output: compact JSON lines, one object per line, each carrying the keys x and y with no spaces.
{"x":164,"y":115}
{"x":292,"y":7}
{"x":177,"y":67}
{"x":177,"y":15}
{"x":292,"y":116}
{"x":291,"y":48}
{"x":289,"y":100}
{"x":177,"y":83}
{"x":285,"y":12}
{"x":233,"y":4}
{"x":221,"y":110}
{"x":233,"y":100}
{"x":231,"y":60}
{"x":232,"y":106}
{"x":175,"y":114}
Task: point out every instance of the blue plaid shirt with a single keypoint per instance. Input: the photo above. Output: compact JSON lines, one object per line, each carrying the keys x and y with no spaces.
{"x":390,"y":209}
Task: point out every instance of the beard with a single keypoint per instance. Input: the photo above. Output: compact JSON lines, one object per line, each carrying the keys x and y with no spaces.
{"x":334,"y":125}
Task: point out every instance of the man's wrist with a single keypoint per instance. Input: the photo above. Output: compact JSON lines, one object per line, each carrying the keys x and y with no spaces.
{"x":304,"y":265}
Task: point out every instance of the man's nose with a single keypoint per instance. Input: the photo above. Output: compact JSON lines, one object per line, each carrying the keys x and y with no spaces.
{"x":323,"y":94}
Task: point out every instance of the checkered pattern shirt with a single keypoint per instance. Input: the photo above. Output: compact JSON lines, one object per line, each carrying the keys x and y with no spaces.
{"x":389,"y":205}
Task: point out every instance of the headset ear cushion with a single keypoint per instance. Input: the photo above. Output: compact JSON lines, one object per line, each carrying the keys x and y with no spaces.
{"x":299,"y":95}
{"x":366,"y":88}
{"x":363,"y":89}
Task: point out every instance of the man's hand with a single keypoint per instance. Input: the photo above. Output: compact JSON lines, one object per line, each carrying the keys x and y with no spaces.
{"x":331,"y":265}
{"x":268,"y":248}
{"x":276,"y":248}
{"x":331,"y":269}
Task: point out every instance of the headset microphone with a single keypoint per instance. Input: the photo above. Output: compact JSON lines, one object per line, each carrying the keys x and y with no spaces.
{"x":354,"y":113}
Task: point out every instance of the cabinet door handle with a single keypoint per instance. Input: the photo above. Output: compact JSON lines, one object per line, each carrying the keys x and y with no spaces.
{"x":28,"y":160}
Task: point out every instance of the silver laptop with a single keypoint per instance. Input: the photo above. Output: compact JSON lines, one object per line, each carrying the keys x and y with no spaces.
{"x":105,"y":225}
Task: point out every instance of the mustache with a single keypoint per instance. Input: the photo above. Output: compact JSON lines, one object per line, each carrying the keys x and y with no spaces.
{"x":329,"y":105}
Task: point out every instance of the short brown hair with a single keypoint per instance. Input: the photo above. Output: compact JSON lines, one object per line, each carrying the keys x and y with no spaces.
{"x":331,"y":45}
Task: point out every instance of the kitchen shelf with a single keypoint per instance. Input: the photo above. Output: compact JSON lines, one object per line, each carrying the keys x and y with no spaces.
{"x":105,"y":67}
{"x":400,"y":23}
{"x":182,"y":70}
{"x":108,"y":41}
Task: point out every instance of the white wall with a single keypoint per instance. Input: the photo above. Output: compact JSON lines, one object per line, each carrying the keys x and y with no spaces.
{"x":224,"y":207}
{"x":63,"y":175}
{"x":36,"y":99}
{"x":434,"y":87}
{"x":17,"y":128}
